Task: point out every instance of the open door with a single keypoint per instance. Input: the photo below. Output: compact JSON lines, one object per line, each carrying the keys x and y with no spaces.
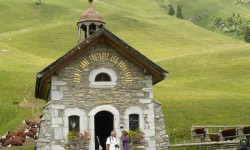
{"x":104,"y":124}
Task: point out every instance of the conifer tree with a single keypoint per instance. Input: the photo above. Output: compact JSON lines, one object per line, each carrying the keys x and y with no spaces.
{"x":179,"y":11}
{"x":247,"y":34}
{"x":171,"y":10}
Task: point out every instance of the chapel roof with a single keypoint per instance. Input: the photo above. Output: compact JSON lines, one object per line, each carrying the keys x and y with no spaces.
{"x":102,"y":35}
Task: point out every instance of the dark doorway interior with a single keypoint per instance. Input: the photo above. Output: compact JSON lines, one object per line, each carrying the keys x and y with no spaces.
{"x":104,"y":122}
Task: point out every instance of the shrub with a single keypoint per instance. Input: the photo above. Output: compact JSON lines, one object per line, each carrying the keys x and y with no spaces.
{"x":39,"y":2}
{"x":137,"y":135}
{"x":171,"y":10}
{"x":74,"y":135}
{"x":179,"y":11}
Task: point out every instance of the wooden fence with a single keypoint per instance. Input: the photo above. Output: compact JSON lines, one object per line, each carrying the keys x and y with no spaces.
{"x":219,"y":133}
{"x":216,"y":137}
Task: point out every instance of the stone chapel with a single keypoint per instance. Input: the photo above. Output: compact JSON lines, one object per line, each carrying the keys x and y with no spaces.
{"x":100,"y":85}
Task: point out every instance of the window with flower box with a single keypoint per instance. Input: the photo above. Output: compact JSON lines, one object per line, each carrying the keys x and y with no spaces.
{"x":74,"y":123}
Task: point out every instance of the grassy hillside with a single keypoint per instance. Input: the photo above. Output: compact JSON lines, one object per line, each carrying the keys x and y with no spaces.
{"x":206,"y":13}
{"x":209,"y":73}
{"x":207,"y":10}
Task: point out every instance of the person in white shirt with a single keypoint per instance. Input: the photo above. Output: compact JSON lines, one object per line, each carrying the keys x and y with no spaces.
{"x":112,"y":142}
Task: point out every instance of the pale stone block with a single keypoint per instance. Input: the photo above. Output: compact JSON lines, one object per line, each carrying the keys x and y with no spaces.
{"x":145,"y":101}
{"x":55,"y":113}
{"x":74,"y":111}
{"x":125,"y":117}
{"x":151,"y":143}
{"x":58,"y":107}
{"x":58,"y":133}
{"x":151,"y":95}
{"x":149,"y":83}
{"x":54,"y":125}
{"x":150,"y":119}
{"x":56,"y":95}
{"x":150,"y":106}
{"x":57,"y":147}
{"x":43,"y":140}
{"x":148,"y":112}
{"x":57,"y":121}
{"x":64,"y":88}
{"x":127,"y":95}
{"x":58,"y":83}
{"x":103,"y":84}
{"x":48,"y":134}
{"x":149,"y":132}
{"x":150,"y":90}
{"x":139,"y":94}
{"x":151,"y":125}
{"x":151,"y":148}
{"x":53,"y":88}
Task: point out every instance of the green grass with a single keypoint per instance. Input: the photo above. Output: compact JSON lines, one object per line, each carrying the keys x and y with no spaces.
{"x":209,"y":75}
{"x":206,"y":89}
{"x":212,"y":8}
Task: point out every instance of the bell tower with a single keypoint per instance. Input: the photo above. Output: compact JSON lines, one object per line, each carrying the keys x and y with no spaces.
{"x":90,"y":21}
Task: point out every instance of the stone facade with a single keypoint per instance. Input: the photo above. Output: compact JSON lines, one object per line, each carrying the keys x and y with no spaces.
{"x":74,"y":92}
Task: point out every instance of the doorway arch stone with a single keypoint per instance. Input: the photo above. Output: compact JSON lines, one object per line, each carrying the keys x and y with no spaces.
{"x":92,"y":114}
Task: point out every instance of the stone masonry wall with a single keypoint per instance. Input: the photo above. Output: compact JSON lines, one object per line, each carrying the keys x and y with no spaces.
{"x":161,"y":137}
{"x":45,"y":132}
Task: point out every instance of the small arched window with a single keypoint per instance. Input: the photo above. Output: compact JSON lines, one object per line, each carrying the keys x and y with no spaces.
{"x":102,"y":77}
{"x":133,"y":122}
{"x":74,"y":123}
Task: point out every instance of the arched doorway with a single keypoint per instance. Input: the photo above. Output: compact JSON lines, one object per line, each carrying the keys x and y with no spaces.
{"x":104,"y":124}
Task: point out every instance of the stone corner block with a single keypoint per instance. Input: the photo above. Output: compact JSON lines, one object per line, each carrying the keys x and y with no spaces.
{"x":57,"y":121}
{"x":58,"y":107}
{"x":145,"y":101}
{"x":58,"y":82}
{"x":58,"y":133}
{"x":56,"y":95}
{"x":57,"y":147}
{"x":149,"y":132}
{"x":150,"y":90}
